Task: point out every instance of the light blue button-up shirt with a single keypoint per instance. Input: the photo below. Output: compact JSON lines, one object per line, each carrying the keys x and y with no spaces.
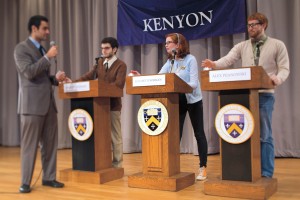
{"x":37,"y":44}
{"x":187,"y":69}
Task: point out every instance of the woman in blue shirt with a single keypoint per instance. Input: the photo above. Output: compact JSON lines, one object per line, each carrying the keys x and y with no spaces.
{"x":184,"y":65}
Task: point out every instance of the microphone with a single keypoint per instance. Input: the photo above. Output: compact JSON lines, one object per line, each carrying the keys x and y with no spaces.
{"x":174,"y":52}
{"x":52,"y":43}
{"x":97,"y":58}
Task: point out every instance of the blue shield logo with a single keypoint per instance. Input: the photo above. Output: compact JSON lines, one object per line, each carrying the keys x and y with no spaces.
{"x":234,"y":124}
{"x":80,"y":125}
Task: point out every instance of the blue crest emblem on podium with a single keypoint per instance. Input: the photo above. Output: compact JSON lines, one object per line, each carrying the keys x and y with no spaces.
{"x":80,"y":125}
{"x":152,"y":118}
{"x":234,"y":124}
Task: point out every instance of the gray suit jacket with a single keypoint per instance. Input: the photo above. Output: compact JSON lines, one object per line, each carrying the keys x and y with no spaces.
{"x":35,"y":82}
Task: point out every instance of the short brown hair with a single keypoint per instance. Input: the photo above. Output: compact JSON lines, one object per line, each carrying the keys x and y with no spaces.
{"x":183,"y":48}
{"x":261,"y":18}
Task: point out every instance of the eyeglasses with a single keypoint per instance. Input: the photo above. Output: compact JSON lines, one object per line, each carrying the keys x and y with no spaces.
{"x":168,"y":42}
{"x":105,"y":48}
{"x":252,"y":25}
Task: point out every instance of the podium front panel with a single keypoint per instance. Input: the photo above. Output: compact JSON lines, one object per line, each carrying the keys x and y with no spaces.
{"x":236,"y":158}
{"x":161,"y":153}
{"x":83,"y":151}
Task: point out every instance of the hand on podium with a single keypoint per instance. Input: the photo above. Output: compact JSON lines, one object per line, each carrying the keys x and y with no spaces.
{"x":276,"y":80}
{"x":62,"y":78}
{"x":67,"y":80}
{"x":208,"y":64}
{"x":134,"y":73}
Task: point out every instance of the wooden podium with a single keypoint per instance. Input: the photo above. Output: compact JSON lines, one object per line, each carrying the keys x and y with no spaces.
{"x":240,"y":163}
{"x":92,"y":158}
{"x":161,"y":153}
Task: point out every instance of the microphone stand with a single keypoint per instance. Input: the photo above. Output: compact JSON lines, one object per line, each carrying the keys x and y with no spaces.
{"x":96,"y":60}
{"x":172,"y":61}
{"x":55,"y":60}
{"x":96,"y":67}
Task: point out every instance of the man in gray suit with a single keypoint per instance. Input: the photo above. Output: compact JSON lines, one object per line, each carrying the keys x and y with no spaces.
{"x":36,"y":105}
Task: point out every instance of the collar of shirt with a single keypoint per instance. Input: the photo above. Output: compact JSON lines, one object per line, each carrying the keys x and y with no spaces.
{"x":111,"y":61}
{"x":36,"y":43}
{"x":261,"y":40}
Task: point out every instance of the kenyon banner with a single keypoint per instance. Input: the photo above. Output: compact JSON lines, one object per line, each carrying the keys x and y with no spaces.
{"x":148,"y":21}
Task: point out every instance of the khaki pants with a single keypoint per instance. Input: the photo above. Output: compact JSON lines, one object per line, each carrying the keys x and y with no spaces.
{"x":116,"y":137}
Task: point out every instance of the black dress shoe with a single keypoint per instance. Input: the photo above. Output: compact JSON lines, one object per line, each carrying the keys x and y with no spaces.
{"x":24,"y":188}
{"x":53,"y":183}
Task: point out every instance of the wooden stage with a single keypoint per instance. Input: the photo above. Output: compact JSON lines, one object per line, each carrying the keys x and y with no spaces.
{"x":287,"y":172}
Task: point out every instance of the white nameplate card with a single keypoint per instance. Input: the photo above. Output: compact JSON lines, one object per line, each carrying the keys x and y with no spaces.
{"x":154,"y":80}
{"x":77,"y":87}
{"x":230,"y":75}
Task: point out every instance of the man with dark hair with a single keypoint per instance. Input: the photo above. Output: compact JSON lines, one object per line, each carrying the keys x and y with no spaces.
{"x":36,"y":21}
{"x":272,"y":55}
{"x":112,"y":41}
{"x":36,"y":105}
{"x":112,"y":70}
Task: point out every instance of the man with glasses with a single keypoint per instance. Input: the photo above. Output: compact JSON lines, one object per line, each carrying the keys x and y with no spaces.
{"x":272,"y":55}
{"x":112,"y":70}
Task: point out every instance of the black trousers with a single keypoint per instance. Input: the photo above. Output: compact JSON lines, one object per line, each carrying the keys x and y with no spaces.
{"x":196,"y":115}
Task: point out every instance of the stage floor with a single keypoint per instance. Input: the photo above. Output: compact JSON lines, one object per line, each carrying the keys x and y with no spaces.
{"x":287,"y":172}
